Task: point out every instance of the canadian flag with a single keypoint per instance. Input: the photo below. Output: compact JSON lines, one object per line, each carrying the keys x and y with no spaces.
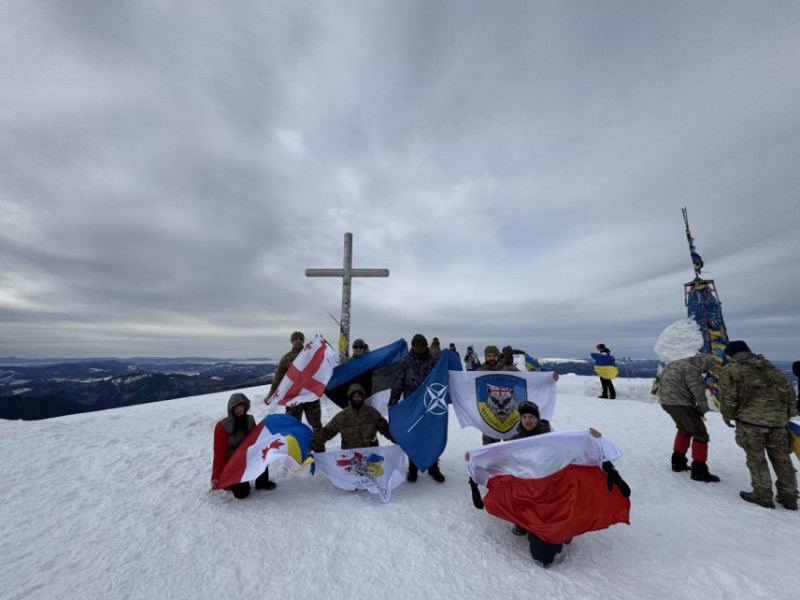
{"x":308,"y":375}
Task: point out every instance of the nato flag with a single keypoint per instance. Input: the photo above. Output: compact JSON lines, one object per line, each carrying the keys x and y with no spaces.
{"x":419,"y":422}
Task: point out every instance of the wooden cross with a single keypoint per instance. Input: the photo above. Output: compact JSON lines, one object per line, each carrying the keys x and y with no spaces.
{"x":346,"y":273}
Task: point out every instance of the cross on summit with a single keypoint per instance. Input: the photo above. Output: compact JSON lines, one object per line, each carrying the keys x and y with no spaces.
{"x":347,"y":272}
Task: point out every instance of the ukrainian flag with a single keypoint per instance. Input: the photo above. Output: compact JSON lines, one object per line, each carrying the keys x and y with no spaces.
{"x":794,"y":431}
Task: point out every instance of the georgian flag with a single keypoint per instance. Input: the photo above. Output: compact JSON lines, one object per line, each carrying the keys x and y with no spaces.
{"x":552,"y":484}
{"x":308,"y":375}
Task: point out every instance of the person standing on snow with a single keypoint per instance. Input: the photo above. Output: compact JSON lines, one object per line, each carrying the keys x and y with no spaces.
{"x":414,"y":368}
{"x":759,"y":397}
{"x":471,"y":360}
{"x":682,"y":395}
{"x":603,"y":358}
{"x":312,"y":410}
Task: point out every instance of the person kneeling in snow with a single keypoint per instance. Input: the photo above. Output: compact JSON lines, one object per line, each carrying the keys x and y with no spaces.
{"x":358,"y":424}
{"x":531,"y":425}
{"x":228,"y":434}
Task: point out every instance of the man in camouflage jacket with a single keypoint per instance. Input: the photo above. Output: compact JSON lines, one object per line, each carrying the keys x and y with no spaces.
{"x":313,"y":410}
{"x":413,"y":369}
{"x":759,"y":398}
{"x":358,"y":424}
{"x":682,"y":394}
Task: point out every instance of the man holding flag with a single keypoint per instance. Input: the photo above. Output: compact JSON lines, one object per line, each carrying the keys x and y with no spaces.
{"x":414,"y":368}
{"x":300,"y":380}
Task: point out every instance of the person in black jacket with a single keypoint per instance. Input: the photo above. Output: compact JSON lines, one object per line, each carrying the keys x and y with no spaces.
{"x":413,"y":370}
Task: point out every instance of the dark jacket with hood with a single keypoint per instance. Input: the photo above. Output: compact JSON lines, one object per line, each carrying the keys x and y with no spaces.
{"x":358,"y":426}
{"x":230,"y":432}
{"x":414,"y":368}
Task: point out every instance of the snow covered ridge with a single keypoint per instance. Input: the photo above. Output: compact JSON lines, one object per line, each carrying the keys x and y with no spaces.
{"x":116,"y":504}
{"x":50,"y":390}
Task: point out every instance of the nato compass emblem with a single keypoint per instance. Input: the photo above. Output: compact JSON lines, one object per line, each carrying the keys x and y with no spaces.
{"x":498,"y":396}
{"x":435,"y":402}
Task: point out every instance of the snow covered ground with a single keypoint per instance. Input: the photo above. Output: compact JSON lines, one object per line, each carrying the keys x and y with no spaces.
{"x":116,"y":504}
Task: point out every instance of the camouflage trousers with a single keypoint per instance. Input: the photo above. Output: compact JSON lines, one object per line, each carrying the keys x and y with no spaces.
{"x":689,"y":421}
{"x":777,"y":444}
{"x":313,"y":412}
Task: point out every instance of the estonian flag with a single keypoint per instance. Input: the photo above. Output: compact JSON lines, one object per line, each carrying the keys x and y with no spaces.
{"x":552,"y":484}
{"x":374,"y":370}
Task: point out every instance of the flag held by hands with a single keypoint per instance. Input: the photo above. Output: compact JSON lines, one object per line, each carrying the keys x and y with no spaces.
{"x":553,"y":484}
{"x":374,"y":370}
{"x":277,"y":438}
{"x":487,"y":400}
{"x":419,"y":422}
{"x":378,"y":470}
{"x":308,"y":375}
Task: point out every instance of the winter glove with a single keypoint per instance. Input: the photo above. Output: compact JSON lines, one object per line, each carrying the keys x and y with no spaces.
{"x":477,"y":501}
{"x":614,"y":478}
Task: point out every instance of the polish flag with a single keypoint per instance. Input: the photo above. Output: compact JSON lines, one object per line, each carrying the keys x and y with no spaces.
{"x":551,"y":484}
{"x":308,"y":375}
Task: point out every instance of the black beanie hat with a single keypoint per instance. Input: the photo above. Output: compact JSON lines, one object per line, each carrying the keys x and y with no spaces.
{"x":527,"y":407}
{"x":735,"y":347}
{"x":419,"y":340}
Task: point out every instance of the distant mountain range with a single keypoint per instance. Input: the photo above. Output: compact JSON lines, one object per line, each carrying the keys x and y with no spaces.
{"x":34,"y":389}
{"x":42,"y":389}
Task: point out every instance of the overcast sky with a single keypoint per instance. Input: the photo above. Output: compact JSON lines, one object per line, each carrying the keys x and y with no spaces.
{"x":171,"y":169}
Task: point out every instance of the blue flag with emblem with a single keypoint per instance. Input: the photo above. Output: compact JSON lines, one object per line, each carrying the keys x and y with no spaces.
{"x":419,"y":423}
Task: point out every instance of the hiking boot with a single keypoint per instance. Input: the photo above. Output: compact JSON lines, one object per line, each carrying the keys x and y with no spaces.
{"x":517,"y":530}
{"x":751,"y":497}
{"x":787,"y":503}
{"x":700,"y":472}
{"x":266,"y":485}
{"x":411,"y":476}
{"x":679,"y":462}
{"x":437,"y":475}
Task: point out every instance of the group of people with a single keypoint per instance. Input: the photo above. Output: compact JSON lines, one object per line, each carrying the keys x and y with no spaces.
{"x":756,"y":398}
{"x":358,"y":424}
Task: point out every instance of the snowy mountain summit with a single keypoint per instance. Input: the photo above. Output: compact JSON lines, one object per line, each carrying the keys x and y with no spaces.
{"x":117,"y":504}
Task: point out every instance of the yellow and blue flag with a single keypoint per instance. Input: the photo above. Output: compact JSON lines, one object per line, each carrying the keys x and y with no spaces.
{"x":794,"y":430}
{"x":277,"y":437}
